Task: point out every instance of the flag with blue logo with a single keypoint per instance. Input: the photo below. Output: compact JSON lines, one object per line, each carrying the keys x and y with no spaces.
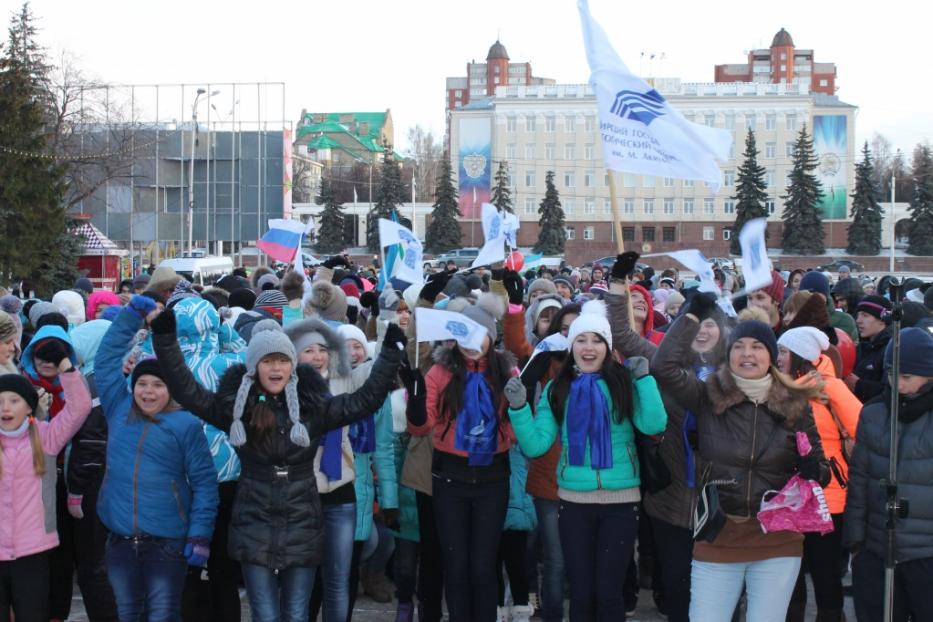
{"x":641,"y":132}
{"x":438,"y":325}
{"x":406,"y":252}
{"x":756,"y":267}
{"x":499,"y":228}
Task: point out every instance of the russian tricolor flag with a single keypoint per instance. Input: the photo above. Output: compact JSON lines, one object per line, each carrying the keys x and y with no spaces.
{"x":282,"y":240}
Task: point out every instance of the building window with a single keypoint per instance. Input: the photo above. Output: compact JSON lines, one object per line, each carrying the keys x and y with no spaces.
{"x":510,"y":124}
{"x":791,"y":122}
{"x":688,"y":206}
{"x":708,"y":233}
{"x":769,"y":179}
{"x":770,"y":150}
{"x":529,"y":124}
{"x":647,"y":181}
{"x":628,"y":234}
{"x":550,"y":151}
{"x":728,"y":206}
{"x":726,"y":234}
{"x":570,"y":123}
{"x":770,"y":122}
{"x":569,"y":179}
{"x":530,"y":151}
{"x":588,"y":179}
{"x":783,"y":67}
{"x":669,"y":234}
{"x":628,"y":206}
{"x":688,"y":116}
{"x":530,"y":178}
{"x":749,"y":122}
{"x":529,"y":206}
{"x":607,"y":206}
{"x":668,"y":182}
{"x":824,"y":82}
{"x":589,"y":152}
{"x":510,"y":151}
{"x":709,"y":120}
{"x":730,"y":121}
{"x":589,"y":206}
{"x":459,"y":93}
{"x":571,"y":233}
{"x":550,"y":124}
{"x":606,"y":180}
{"x":688,"y":183}
{"x":570,"y":152}
{"x":588,"y":233}
{"x":569,"y":206}
{"x":589,"y":123}
{"x":669,"y":206}
{"x":648,"y":205}
{"x":789,"y":150}
{"x":647,"y":234}
{"x":728,"y":178}
{"x":709,"y":206}
{"x":628,"y":180}
{"x":770,"y":205}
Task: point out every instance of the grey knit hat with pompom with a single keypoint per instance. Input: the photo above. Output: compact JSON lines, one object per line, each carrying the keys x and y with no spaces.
{"x":268,"y":338}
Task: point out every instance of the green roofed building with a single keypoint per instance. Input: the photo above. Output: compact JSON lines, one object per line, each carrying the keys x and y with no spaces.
{"x":342,"y":139}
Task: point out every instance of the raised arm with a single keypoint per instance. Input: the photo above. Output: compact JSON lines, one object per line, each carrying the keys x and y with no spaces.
{"x":670,"y":365}
{"x":108,"y":366}
{"x":56,"y":433}
{"x":625,"y":340}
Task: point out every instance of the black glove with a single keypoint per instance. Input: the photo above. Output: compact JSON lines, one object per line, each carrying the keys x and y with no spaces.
{"x":810,"y":467}
{"x":164,"y":323}
{"x":390,"y":516}
{"x":395,"y":338}
{"x":512,"y":282}
{"x":53,"y":351}
{"x":702,"y":305}
{"x":411,"y":379}
{"x":624,"y":265}
{"x":370,"y":300}
{"x":336,"y":260}
{"x":435,"y":285}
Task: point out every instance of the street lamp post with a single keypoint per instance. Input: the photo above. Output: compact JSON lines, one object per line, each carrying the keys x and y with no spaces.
{"x":893,"y":227}
{"x":194,"y":140}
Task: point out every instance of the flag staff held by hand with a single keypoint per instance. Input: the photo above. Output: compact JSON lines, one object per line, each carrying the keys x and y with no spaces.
{"x":616,"y":220}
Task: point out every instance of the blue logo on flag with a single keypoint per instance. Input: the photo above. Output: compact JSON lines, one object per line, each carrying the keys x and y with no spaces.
{"x":494,"y":228}
{"x":544,"y":346}
{"x":405,"y":235}
{"x":755,"y":254}
{"x":643,"y":107}
{"x":457,"y":329}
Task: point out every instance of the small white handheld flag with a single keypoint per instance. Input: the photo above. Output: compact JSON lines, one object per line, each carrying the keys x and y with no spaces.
{"x":641,"y":132}
{"x":494,"y":231}
{"x":408,"y":267}
{"x":438,"y":325}
{"x":695,"y":261}
{"x":756,"y":267}
{"x":552,"y":343}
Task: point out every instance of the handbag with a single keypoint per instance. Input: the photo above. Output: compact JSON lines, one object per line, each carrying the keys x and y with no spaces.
{"x":708,"y":516}
{"x":654,"y":474}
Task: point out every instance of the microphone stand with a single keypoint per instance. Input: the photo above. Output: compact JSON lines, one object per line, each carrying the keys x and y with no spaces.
{"x":895,"y":507}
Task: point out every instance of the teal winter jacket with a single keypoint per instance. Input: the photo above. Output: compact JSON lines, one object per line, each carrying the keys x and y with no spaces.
{"x":383,"y":459}
{"x":521,"y":514}
{"x":537,"y":432}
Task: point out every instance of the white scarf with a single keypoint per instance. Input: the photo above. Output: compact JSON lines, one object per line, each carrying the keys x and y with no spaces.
{"x":755,"y":390}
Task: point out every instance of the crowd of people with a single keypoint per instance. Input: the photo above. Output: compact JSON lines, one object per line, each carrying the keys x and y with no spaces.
{"x":166,"y":444}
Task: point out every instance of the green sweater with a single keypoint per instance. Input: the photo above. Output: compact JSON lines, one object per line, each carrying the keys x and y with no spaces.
{"x":536,"y":433}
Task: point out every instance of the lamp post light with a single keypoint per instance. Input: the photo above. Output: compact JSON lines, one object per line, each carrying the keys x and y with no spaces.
{"x":194,"y":141}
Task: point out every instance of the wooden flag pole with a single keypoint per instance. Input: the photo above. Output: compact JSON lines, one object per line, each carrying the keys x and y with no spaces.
{"x":616,"y":220}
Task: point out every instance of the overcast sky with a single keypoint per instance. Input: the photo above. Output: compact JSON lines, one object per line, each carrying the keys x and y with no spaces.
{"x":353,"y":55}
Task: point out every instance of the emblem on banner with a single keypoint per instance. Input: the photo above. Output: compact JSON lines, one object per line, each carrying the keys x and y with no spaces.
{"x":643,"y":107}
{"x":474,"y":165}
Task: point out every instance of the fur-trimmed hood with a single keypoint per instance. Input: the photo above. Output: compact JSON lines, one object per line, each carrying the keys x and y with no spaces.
{"x":337,"y":345}
{"x":814,"y":312}
{"x":724,"y":394}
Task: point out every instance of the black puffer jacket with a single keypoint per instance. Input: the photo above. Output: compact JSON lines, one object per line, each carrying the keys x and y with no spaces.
{"x":869,"y":366}
{"x":865,"y":514}
{"x":277,"y":521}
{"x":752,"y":445}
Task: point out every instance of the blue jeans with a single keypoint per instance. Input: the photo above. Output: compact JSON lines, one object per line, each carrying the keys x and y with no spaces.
{"x":715,"y":589}
{"x":339,"y":528}
{"x":147,"y":575}
{"x":278,"y":596}
{"x":552,"y":561}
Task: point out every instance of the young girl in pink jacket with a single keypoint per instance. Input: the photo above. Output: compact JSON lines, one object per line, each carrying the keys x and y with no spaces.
{"x":27,"y":487}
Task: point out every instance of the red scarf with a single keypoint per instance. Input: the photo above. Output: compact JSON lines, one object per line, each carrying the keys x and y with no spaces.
{"x":54,"y":388}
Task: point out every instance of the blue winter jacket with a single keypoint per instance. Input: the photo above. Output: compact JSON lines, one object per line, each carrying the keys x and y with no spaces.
{"x":159,"y":479}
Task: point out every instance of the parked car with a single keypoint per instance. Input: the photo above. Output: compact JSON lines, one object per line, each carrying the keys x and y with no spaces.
{"x":463,"y":257}
{"x":608,"y":262}
{"x":853,"y":266}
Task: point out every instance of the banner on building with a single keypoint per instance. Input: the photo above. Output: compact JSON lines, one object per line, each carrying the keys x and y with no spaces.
{"x":830,"y":145}
{"x":475,"y":166}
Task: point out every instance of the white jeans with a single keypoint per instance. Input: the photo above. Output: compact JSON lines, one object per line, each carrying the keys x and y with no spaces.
{"x":715,"y":589}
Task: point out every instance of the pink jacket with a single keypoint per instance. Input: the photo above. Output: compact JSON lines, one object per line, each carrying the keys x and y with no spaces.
{"x":27,"y":500}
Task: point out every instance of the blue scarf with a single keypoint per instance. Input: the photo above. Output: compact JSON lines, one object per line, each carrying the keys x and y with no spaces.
{"x":477,"y":424}
{"x":331,"y":460}
{"x":363,"y":435}
{"x":703,"y":372}
{"x":587,"y":420}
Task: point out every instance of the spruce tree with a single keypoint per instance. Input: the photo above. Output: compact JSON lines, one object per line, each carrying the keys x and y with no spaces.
{"x":443,"y":234}
{"x":33,"y":222}
{"x":921,"y":203}
{"x":803,"y":226}
{"x":750,"y":192}
{"x":389,"y":196}
{"x":551,"y":233}
{"x":865,"y":230}
{"x":501,"y":194}
{"x":331,"y":229}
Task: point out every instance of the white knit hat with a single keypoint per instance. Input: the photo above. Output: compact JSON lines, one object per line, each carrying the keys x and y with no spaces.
{"x":806,"y":342}
{"x":350,"y":331}
{"x":592,"y":319}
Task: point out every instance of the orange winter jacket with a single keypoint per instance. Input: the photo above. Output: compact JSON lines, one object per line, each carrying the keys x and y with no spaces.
{"x":847,"y":408}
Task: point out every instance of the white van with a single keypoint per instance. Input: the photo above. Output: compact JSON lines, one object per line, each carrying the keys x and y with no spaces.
{"x":203,"y":271}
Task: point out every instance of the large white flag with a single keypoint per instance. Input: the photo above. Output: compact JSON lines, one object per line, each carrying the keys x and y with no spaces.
{"x":438,"y":325}
{"x":756,"y":267}
{"x":552,"y":343}
{"x":641,"y":132}
{"x":495,"y":233}
{"x":696,"y":262}
{"x":408,"y":265}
